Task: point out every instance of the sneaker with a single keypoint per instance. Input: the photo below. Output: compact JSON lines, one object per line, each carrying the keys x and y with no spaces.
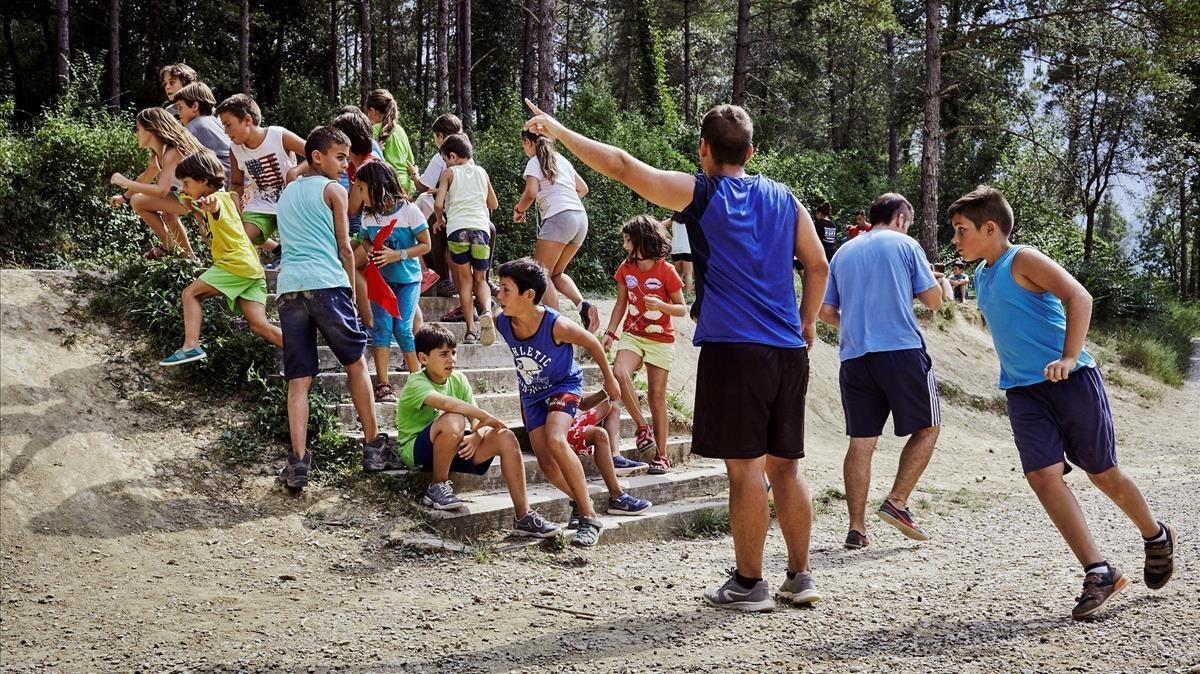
{"x":182,"y":356}
{"x":440,"y":496}
{"x":588,"y":533}
{"x":573,"y":521}
{"x":487,"y":330}
{"x":800,"y":589}
{"x":445,"y":288}
{"x":1160,"y":560}
{"x":384,"y":393}
{"x":660,"y":465}
{"x":645,"y":439}
{"x":902,"y":520}
{"x":733,"y":596}
{"x":1097,"y":590}
{"x":273,"y":264}
{"x":295,"y":473}
{"x":856,"y":540}
{"x":533,"y":525}
{"x":627,"y":504}
{"x":589,"y":315}
{"x":377,"y":456}
{"x":626,"y":467}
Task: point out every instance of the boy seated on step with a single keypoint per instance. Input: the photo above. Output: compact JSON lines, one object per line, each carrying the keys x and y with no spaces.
{"x":433,"y":433}
{"x":551,"y":382}
{"x":596,"y":432}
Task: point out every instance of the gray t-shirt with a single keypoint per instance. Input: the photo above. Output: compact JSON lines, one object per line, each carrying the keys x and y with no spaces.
{"x":211,"y":135}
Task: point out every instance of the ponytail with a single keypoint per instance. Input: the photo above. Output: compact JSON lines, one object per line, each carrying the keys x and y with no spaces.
{"x":543,"y":149}
{"x":381,"y":101}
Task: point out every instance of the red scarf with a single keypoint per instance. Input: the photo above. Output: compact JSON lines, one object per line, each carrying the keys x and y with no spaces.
{"x":378,"y":290}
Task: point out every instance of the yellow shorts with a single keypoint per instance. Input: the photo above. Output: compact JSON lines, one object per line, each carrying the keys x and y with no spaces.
{"x":658,"y":354}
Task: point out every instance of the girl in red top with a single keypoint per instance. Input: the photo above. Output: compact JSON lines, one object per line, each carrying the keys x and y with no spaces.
{"x":649,"y":293}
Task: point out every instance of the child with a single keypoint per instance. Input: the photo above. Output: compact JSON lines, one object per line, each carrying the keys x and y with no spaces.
{"x":463,"y":206}
{"x":959,"y":282}
{"x":235,"y":273}
{"x":649,"y":293}
{"x":195,"y":104}
{"x":550,"y":380}
{"x":352,"y":122}
{"x":316,"y":292}
{"x":681,"y":252}
{"x":603,"y":442}
{"x":175,"y":77}
{"x":1038,"y":315}
{"x":381,"y":110}
{"x":152,"y":195}
{"x":425,"y":184}
{"x":382,"y":200}
{"x":433,"y":433}
{"x":261,"y":158}
{"x":939,"y":274}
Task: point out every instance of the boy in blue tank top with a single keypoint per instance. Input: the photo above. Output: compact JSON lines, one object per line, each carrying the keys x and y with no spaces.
{"x":752,"y":378}
{"x":551,"y":382}
{"x":316,"y":292}
{"x":1038,"y":315}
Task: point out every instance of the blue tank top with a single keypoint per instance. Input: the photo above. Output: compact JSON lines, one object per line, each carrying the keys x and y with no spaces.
{"x":310,"y":252}
{"x":1027,"y":328}
{"x":544,"y":367}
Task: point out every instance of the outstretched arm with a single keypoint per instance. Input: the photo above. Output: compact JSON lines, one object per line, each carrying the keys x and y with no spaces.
{"x":669,"y":189}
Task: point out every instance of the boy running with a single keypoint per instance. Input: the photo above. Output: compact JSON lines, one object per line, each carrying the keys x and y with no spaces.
{"x":885,"y":368}
{"x":1038,"y":315}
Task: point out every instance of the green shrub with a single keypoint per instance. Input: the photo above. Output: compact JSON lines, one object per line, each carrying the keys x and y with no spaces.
{"x":1149,"y":355}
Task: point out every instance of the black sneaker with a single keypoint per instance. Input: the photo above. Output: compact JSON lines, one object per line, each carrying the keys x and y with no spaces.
{"x":573,"y":523}
{"x":295,"y":473}
{"x":377,"y":456}
{"x":1160,"y":560}
{"x":856,"y":539}
{"x":1097,"y":590}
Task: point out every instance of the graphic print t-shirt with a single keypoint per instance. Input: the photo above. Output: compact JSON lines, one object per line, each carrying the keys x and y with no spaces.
{"x":265,"y":168}
{"x":660,"y":281}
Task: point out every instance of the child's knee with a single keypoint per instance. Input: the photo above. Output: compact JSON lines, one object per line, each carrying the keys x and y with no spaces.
{"x":451,"y":422}
{"x":1050,"y":477}
{"x":1107,"y":479}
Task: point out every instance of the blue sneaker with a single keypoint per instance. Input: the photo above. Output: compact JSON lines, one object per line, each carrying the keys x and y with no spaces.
{"x":626,"y":467}
{"x":183,"y":356}
{"x":627,"y":504}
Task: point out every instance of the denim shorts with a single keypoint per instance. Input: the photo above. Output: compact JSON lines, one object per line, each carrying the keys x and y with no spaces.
{"x":303,"y":313}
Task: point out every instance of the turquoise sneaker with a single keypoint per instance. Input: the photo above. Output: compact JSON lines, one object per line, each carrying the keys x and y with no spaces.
{"x":183,"y":356}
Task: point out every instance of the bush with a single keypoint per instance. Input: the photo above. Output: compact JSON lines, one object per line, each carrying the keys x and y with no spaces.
{"x":1149,"y":355}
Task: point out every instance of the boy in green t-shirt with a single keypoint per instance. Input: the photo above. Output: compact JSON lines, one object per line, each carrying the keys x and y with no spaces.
{"x":433,"y":434}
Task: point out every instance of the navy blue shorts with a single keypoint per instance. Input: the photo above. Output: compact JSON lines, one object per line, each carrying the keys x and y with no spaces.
{"x":423,"y":456}
{"x":900,"y":383}
{"x":534,"y":414}
{"x":470,"y":246}
{"x":303,"y":313}
{"x":1071,"y":420}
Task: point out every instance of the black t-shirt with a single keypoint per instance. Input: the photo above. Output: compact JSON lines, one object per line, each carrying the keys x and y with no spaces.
{"x":826,"y":230}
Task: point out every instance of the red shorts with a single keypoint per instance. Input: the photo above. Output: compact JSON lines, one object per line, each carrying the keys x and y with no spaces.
{"x":578,"y":429}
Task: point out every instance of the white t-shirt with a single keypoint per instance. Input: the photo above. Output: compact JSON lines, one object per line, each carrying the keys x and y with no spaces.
{"x":265,"y":168}
{"x":558,"y":196}
{"x":433,"y":171}
{"x":679,"y":239}
{"x":466,"y":199}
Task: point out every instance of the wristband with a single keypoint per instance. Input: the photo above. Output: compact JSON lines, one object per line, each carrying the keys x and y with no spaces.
{"x":610,"y":333}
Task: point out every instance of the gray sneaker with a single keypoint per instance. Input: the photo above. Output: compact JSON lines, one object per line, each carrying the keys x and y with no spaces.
{"x":533,"y":525}
{"x":733,"y":596}
{"x":440,"y":496}
{"x":377,"y":456}
{"x":800,"y":589}
{"x":295,"y":473}
{"x":588,"y":533}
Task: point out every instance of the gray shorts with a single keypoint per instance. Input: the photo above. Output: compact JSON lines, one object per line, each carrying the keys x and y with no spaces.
{"x":569,"y":227}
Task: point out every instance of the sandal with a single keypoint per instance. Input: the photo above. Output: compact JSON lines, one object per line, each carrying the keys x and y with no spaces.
{"x":156,"y":252}
{"x":471,"y":337}
{"x":429,"y":278}
{"x":455,"y":315}
{"x":660,"y":465}
{"x":384,"y":393}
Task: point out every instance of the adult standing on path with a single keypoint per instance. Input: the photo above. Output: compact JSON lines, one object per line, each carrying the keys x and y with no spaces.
{"x":753,"y":370}
{"x":551,"y":180}
{"x":885,"y":368}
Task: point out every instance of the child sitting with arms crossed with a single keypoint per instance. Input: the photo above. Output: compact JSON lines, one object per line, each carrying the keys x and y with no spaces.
{"x":551,"y":383}
{"x":433,"y":433}
{"x":235,"y":273}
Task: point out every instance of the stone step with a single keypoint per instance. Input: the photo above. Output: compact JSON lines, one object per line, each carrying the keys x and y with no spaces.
{"x":456,"y":328}
{"x":386,"y":420}
{"x":501,"y":379}
{"x":469,"y":356}
{"x":432,"y":308}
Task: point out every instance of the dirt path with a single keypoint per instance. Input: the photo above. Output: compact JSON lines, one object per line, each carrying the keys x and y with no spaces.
{"x":124,"y":547}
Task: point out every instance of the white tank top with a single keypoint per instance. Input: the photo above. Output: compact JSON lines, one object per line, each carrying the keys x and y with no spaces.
{"x":466,"y":200}
{"x":265,"y":168}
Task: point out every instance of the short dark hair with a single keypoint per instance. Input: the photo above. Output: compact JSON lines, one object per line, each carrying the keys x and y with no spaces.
{"x":431,"y":336}
{"x":729,"y":133}
{"x":886,"y":206}
{"x":203,"y":166}
{"x":938,"y":266}
{"x":321,"y":139}
{"x":241,"y":106}
{"x":527,"y":274}
{"x":957,"y":265}
{"x":180,"y":71}
{"x":982,"y":204}
{"x":458,"y":144}
{"x":824,"y":209}
{"x":357,"y":127}
{"x":447,"y":124}
{"x":860,"y":212}
{"x":200,"y":94}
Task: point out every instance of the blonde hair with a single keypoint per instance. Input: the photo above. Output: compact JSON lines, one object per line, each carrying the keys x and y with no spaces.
{"x":168,"y":130}
{"x":543,"y":149}
{"x":382,"y":101}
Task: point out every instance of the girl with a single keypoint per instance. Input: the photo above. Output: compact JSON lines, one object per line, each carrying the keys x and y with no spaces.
{"x":152,"y":196}
{"x":558,"y":189}
{"x":382,"y":199}
{"x":649,"y":293}
{"x":381,"y":110}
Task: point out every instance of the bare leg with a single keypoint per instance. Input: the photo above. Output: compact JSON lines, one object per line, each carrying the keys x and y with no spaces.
{"x":175,"y":226}
{"x":598,"y":438}
{"x":512,"y":466}
{"x":548,"y":464}
{"x":856,"y":474}
{"x":464,"y":283}
{"x":656,"y":378}
{"x":793,"y":508}
{"x":547,"y":253}
{"x":556,"y":445}
{"x":362,"y":302}
{"x":913,"y":461}
{"x":155,"y":212}
{"x":1064,"y":512}
{"x":445,"y":436}
{"x":483,"y":292}
{"x":362,"y":396}
{"x":627,"y":363}
{"x":749,"y":516}
{"x":383,"y":360}
{"x":1120,"y":489}
{"x":298,"y":414}
{"x":193,"y":311}
{"x":256,"y":318}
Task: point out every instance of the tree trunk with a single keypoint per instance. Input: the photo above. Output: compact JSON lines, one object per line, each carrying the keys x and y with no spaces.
{"x":830,"y":67}
{"x":546,"y":55}
{"x":741,"y":53}
{"x":244,"y":46}
{"x":62,"y":57}
{"x":458,"y":58}
{"x":390,"y":43}
{"x":114,"y":57}
{"x":18,"y":74}
{"x":441,"y":56}
{"x":689,"y":117}
{"x":893,"y":122}
{"x":931,"y":131}
{"x":1183,"y":237}
{"x":528,"y":51}
{"x":368,"y":77}
{"x":334,"y":76}
{"x":464,"y":28}
{"x":565,"y":85}
{"x":1089,"y":229}
{"x":421,"y":83}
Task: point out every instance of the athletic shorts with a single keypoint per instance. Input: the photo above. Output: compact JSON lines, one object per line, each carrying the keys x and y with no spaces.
{"x":423,"y":456}
{"x":303,"y":313}
{"x":1067,"y":420}
{"x":470,"y":246}
{"x":235,"y":287}
{"x":569,"y":227}
{"x":681,"y":257}
{"x":658,"y":354}
{"x":577,"y":433}
{"x":900,"y":383}
{"x":265,"y":222}
{"x":534,"y":414}
{"x":750,"y":401}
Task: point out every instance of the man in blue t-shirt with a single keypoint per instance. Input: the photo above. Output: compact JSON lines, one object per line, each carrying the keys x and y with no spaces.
{"x":753,"y":370}
{"x":885,"y":369}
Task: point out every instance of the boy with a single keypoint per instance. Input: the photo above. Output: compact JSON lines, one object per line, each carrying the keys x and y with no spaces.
{"x":885,"y":369}
{"x":463,"y":206}
{"x":195,"y":104}
{"x":959,"y":282}
{"x":357,"y":128}
{"x":432,"y":433}
{"x":264,"y":156}
{"x":1038,"y":315}
{"x":588,"y":438}
{"x":550,"y":380}
{"x":175,"y":77}
{"x":753,"y":372}
{"x":860,"y":226}
{"x":316,"y":292}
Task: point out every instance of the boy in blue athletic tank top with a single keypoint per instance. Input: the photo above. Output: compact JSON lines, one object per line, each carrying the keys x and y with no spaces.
{"x":1039,"y":315}
{"x":550,"y":380}
{"x":752,"y":378}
